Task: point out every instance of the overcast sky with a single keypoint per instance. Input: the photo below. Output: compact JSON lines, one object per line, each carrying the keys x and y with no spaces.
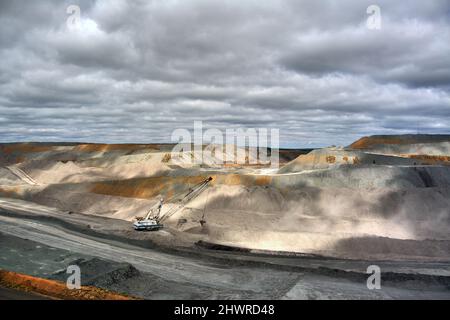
{"x":133,"y":71}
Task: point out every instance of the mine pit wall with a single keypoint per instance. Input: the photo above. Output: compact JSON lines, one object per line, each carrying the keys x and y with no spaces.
{"x":14,"y":153}
{"x":259,"y":211}
{"x":350,"y":211}
{"x":341,"y":222}
{"x":248,"y":192}
{"x":344,"y":177}
{"x":354,"y":194}
{"x":352,"y":204}
{"x":329,"y":158}
{"x":407,"y":139}
{"x":423,"y":149}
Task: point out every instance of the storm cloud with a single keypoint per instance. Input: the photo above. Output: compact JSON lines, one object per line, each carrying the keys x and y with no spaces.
{"x":133,"y":71}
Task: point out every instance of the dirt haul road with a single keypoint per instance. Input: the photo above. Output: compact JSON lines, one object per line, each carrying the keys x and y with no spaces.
{"x":210,"y":274}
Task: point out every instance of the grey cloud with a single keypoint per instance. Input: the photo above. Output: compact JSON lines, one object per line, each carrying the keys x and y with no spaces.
{"x":412,"y":48}
{"x":136,"y":70}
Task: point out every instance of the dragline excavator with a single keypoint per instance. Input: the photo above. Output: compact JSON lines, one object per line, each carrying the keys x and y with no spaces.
{"x":154,"y":220}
